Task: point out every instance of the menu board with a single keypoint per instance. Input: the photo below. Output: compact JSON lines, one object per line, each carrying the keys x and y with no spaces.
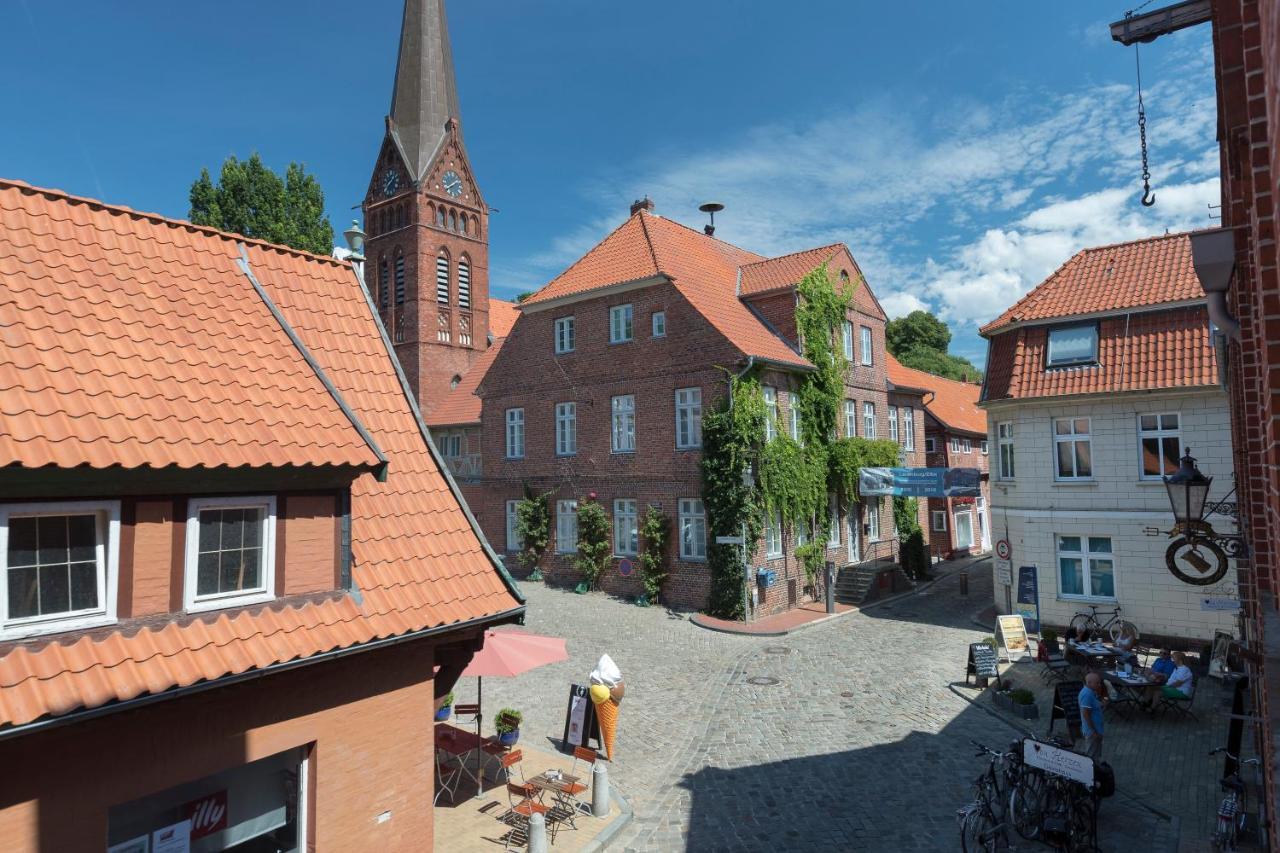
{"x":1066,"y":706}
{"x":1013,"y":634}
{"x":982,"y":662}
{"x":580,"y":724}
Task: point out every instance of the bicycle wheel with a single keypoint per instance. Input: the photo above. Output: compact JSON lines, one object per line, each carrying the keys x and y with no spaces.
{"x":1082,"y":624}
{"x":1026,"y":804}
{"x":980,"y":833}
{"x":1118,"y":626}
{"x":1082,"y":823}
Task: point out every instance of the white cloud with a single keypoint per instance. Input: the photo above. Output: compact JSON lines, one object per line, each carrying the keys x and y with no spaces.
{"x":899,"y":303}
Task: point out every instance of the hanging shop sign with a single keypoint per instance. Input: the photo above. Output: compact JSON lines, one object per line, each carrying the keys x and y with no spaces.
{"x":921,"y":482}
{"x":1197,"y":561}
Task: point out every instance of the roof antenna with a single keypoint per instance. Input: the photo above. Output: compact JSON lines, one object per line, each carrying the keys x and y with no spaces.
{"x":712,"y":208}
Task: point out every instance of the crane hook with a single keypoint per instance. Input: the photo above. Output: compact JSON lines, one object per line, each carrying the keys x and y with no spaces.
{"x":1148,"y":197}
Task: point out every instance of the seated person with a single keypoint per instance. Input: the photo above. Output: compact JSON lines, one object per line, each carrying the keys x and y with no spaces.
{"x":1125,"y":644}
{"x":1163,"y":666}
{"x":1179,"y":685}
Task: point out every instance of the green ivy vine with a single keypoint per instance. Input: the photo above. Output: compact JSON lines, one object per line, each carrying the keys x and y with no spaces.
{"x":533,"y":526}
{"x":595,"y":541}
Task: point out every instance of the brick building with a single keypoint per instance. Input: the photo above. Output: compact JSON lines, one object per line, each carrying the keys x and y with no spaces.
{"x":227,"y":545}
{"x":600,"y":386}
{"x":955,"y":436}
{"x":1098,"y":381}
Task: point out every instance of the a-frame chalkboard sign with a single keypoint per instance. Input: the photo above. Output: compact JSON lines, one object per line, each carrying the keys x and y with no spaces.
{"x":580,"y":723}
{"x":1066,"y":706}
{"x":982,"y":665}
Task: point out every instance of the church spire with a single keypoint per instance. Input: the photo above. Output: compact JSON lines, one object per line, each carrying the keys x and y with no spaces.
{"x":425,"y":96}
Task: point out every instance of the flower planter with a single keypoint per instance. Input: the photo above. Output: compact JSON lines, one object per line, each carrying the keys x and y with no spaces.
{"x":1024,"y":712}
{"x":509,"y":738}
{"x":444,"y":713}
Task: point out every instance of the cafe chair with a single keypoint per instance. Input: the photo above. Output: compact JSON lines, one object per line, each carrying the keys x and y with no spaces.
{"x":1181,"y":708}
{"x":522,"y":798}
{"x":569,"y":803}
{"x":1054,"y":665}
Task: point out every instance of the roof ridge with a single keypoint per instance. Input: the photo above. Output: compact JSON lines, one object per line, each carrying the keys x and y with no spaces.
{"x":838,"y":245}
{"x":704,"y":235}
{"x":648,"y":240}
{"x":581,"y":259}
{"x":1150,"y":239}
{"x":167,"y":220}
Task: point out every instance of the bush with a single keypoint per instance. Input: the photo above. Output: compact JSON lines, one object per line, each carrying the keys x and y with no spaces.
{"x":655,"y":529}
{"x":533,"y":526}
{"x":448,"y":700}
{"x":811,"y":556}
{"x":508,"y":720}
{"x":1022,"y":696}
{"x":595,"y":541}
{"x":914,"y":556}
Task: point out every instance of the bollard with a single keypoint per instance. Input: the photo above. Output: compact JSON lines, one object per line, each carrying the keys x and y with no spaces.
{"x":964,"y":583}
{"x":537,"y":833}
{"x":600,"y":790}
{"x":831,"y":587}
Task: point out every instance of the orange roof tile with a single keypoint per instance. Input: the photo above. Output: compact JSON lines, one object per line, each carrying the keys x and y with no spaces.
{"x":1142,"y":352}
{"x":418,"y":561}
{"x":1111,"y":278}
{"x":461,"y":405}
{"x":502,"y":316}
{"x":784,"y":271}
{"x":953,"y":403}
{"x":130,"y":345}
{"x":703,"y":269}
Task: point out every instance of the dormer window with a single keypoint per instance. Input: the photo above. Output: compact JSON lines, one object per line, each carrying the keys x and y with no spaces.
{"x":230,"y":552}
{"x":1072,"y":345}
{"x":60,"y":566}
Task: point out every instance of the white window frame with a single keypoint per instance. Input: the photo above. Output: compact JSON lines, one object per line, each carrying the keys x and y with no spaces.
{"x":622,"y":423}
{"x":893,"y":423}
{"x":565,"y":335}
{"x":850,"y":418}
{"x":1160,"y":433}
{"x":770,"y":413}
{"x":939,"y":521}
{"x":1072,"y":438}
{"x":773,"y":536}
{"x":873,"y":520}
{"x":833,"y":521}
{"x":515,"y":433}
{"x":930,"y":444}
{"x":1087,"y":556}
{"x":688,"y":418}
{"x":846,"y":339}
{"x":985,"y":447}
{"x":966,"y":445}
{"x":513,"y":529}
{"x":954,"y":444}
{"x":626,"y":519}
{"x":864,"y":340}
{"x":909,"y":427}
{"x":1004,"y":440}
{"x":658,"y":324}
{"x":266,"y":591}
{"x":868,"y":420}
{"x":693,"y":519}
{"x":106,"y":554}
{"x":973,"y":537}
{"x":621,"y":324}
{"x":1092,"y":358}
{"x":566,"y":429}
{"x":566,"y":526}
{"x":793,"y":413}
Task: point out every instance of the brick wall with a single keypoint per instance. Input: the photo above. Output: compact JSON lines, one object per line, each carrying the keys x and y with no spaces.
{"x":71,"y":776}
{"x":945,"y":544}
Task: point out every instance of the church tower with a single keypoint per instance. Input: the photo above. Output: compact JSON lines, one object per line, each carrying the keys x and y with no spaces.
{"x":427,"y":247}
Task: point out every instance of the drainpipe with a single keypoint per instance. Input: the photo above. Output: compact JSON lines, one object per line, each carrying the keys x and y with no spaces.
{"x":746,"y":555}
{"x":1213,"y":254}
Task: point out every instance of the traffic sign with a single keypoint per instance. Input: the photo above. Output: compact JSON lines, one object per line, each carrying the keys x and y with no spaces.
{"x":1003,"y":550}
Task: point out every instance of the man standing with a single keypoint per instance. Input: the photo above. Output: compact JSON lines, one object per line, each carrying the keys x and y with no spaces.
{"x":1091,"y":714}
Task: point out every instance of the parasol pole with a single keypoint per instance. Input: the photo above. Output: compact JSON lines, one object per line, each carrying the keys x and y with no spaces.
{"x":479,"y":741}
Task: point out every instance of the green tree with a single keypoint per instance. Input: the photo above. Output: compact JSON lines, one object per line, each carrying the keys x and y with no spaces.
{"x":595,"y":541}
{"x":940,"y":364}
{"x":252,"y":200}
{"x":919,"y":328}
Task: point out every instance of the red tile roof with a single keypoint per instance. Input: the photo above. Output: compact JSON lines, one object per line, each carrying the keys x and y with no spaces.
{"x":461,"y":405}
{"x":953,"y":403}
{"x":1111,"y":278}
{"x":418,"y":561}
{"x":785,"y":271}
{"x":128,"y":350}
{"x":703,"y":269}
{"x":1158,"y":349}
{"x":502,"y":316}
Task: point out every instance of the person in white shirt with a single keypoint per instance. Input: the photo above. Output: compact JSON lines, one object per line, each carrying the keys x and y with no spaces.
{"x":1179,"y":685}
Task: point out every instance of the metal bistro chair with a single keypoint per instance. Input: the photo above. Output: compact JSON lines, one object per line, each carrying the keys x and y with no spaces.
{"x":1180,"y":707}
{"x":1055,"y":666}
{"x":448,"y":774}
{"x":569,"y":803}
{"x":522,"y":797}
{"x":494,"y":748}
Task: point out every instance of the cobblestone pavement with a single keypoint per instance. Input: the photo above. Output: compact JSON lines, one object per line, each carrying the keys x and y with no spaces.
{"x":861,"y":744}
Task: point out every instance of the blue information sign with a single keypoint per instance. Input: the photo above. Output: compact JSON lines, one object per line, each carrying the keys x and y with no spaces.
{"x":921,"y":482}
{"x":1028,"y":606}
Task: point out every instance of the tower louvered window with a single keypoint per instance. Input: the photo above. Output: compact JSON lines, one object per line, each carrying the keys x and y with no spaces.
{"x":464,"y":284}
{"x":384,"y":284}
{"x":442,"y":279}
{"x":399,"y":280}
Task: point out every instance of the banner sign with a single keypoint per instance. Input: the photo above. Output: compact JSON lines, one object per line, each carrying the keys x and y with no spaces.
{"x":1028,"y":605}
{"x":1058,"y":761}
{"x":920,"y":482}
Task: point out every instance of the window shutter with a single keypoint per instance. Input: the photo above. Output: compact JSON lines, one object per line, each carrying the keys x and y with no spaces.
{"x":464,"y":284}
{"x":442,"y":279}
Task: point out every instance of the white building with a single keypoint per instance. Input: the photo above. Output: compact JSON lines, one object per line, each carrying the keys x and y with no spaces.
{"x":1098,"y":380}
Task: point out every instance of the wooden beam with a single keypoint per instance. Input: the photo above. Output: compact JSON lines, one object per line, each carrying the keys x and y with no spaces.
{"x":1149,"y":26}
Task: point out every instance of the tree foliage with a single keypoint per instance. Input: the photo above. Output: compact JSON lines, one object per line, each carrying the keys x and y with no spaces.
{"x":252,"y":200}
{"x":920,"y":341}
{"x":941,"y":364}
{"x":595,"y":541}
{"x":655,"y":530}
{"x":849,"y":455}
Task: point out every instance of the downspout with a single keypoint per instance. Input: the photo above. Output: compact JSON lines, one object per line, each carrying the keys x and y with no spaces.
{"x":746,"y":561}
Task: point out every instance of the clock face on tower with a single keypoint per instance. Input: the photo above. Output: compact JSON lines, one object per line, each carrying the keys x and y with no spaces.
{"x":452,"y":183}
{"x":390,"y":182}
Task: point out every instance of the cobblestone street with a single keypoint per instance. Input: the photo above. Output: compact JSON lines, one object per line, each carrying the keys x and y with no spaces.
{"x":851,"y":734}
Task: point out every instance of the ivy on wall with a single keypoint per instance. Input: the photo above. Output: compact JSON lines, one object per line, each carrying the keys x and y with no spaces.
{"x":533,"y":526}
{"x":849,"y":455}
{"x":595,"y":541}
{"x":655,"y":529}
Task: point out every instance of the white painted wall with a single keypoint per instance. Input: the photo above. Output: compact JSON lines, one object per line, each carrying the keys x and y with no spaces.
{"x":1034,"y":510}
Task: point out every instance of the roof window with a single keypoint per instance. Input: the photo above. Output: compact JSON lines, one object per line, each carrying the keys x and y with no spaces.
{"x":1073,"y":345}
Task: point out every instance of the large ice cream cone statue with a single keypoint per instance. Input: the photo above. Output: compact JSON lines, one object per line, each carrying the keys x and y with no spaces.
{"x":607,"y":690}
{"x":607,"y":715}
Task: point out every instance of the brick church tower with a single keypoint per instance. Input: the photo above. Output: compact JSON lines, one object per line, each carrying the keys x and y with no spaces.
{"x":427,"y":248}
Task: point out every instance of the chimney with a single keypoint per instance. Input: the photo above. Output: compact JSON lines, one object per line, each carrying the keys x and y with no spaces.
{"x":641,"y":204}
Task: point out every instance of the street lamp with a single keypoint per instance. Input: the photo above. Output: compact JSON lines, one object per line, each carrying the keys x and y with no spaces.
{"x":1188,"y":492}
{"x":1198,"y":554}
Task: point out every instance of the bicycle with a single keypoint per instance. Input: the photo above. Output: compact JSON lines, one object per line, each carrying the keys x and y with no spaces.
{"x":1233,"y":810}
{"x":1087,"y":624}
{"x":980,"y":828}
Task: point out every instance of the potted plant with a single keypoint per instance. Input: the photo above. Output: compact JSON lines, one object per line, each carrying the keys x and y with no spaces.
{"x":507,"y":725}
{"x":1018,"y":701}
{"x":446,"y":708}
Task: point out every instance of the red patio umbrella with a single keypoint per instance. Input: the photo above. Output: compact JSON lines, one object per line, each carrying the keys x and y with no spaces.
{"x":508,"y":653}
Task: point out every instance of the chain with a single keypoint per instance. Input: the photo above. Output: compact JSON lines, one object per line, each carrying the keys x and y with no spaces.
{"x":1148,"y":198}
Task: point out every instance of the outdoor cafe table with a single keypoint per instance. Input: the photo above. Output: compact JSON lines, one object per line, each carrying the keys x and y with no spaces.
{"x":561,"y":788}
{"x":459,"y":742}
{"x":1095,"y":652}
{"x":1129,"y":689}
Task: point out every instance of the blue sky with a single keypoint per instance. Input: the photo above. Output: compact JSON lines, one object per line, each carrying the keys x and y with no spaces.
{"x":962,"y":150}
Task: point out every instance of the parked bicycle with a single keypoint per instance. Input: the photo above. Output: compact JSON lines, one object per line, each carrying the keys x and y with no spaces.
{"x":981,"y":827}
{"x":1054,"y":810}
{"x":1087,"y":624}
{"x":1234,"y":809}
